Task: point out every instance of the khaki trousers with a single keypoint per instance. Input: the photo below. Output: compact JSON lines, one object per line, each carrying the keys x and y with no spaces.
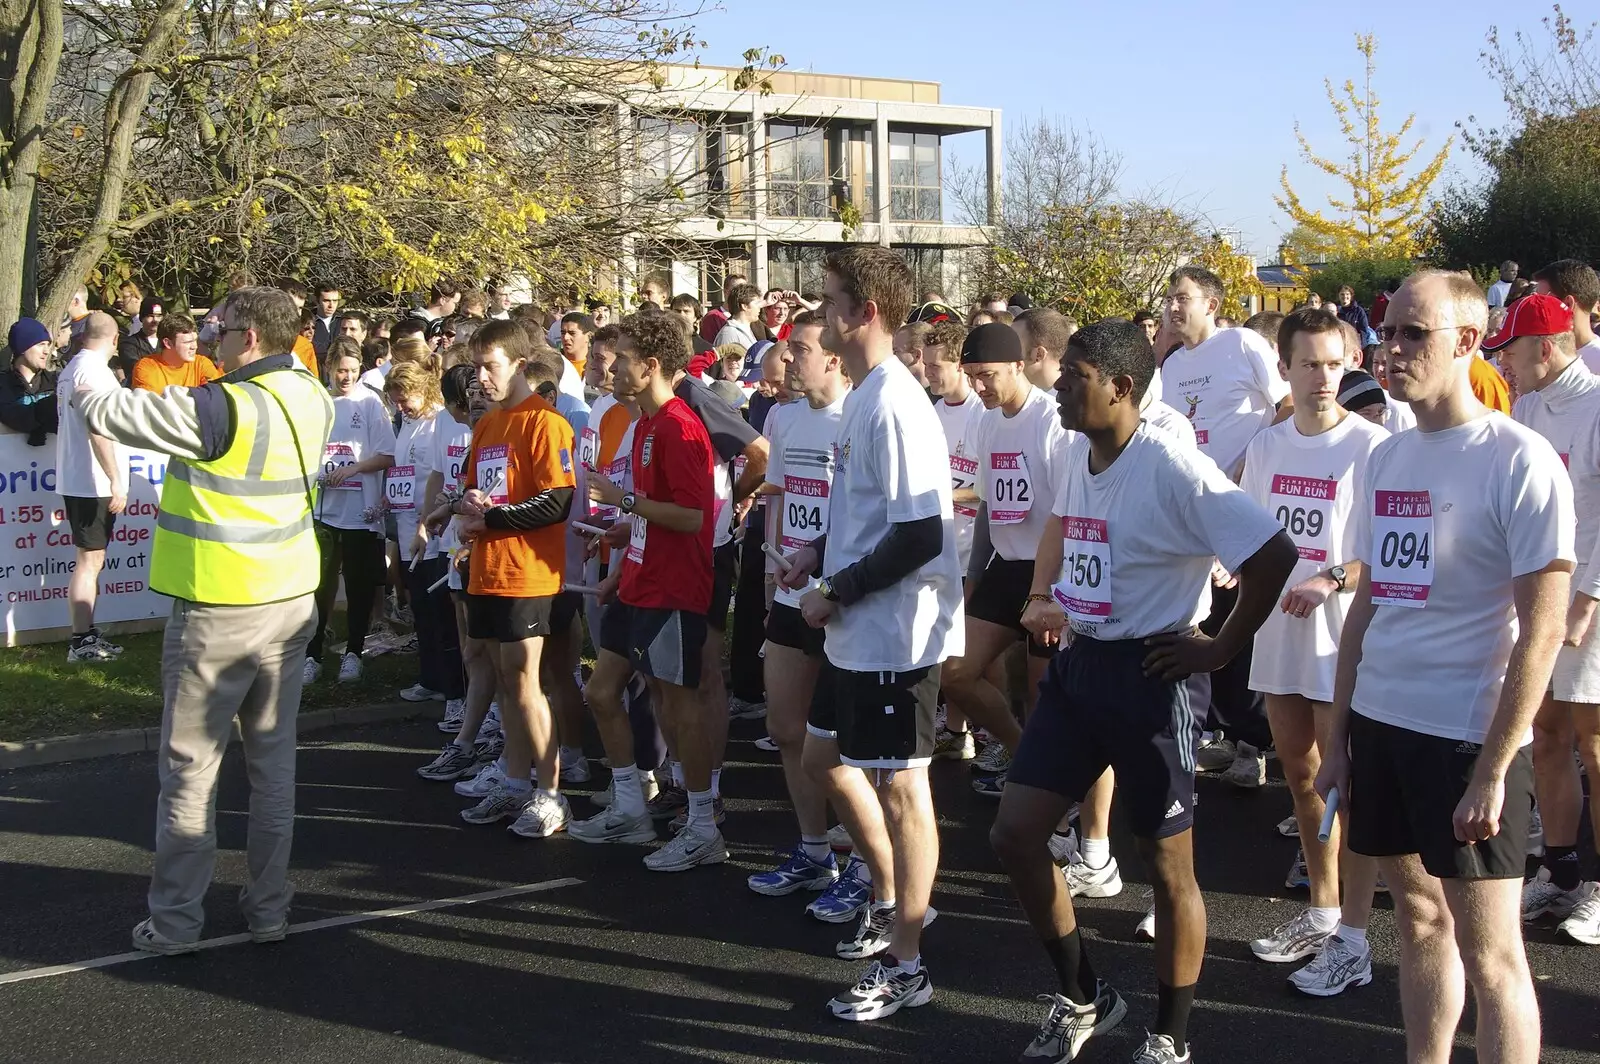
{"x":218,"y":663}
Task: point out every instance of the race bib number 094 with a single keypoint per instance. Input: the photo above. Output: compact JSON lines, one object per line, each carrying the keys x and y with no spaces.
{"x":1402,"y":548}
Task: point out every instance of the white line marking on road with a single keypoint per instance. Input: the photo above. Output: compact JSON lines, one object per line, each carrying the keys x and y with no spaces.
{"x":294,"y":929}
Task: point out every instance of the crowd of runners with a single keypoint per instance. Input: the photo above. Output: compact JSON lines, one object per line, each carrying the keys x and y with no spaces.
{"x":1313,"y":534}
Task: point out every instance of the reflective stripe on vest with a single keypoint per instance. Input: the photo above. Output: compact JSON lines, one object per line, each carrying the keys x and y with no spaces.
{"x":237,"y":530}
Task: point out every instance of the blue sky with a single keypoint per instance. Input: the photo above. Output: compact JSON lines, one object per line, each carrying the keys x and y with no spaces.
{"x":1200,"y":100}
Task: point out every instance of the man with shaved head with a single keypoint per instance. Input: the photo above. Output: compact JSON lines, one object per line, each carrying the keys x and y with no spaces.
{"x":1464,"y":528}
{"x":92,"y":476}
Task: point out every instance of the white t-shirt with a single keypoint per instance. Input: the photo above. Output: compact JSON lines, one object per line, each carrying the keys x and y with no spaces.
{"x":890,"y":467}
{"x":1229,"y":386}
{"x":1497,"y":293}
{"x":1566,"y":411}
{"x":1164,"y":420}
{"x":404,"y":482}
{"x":960,"y":424}
{"x":1590,"y":353}
{"x":1138,"y":538}
{"x":1447,"y":520}
{"x":360,"y":430}
{"x":376,"y":377}
{"x":801,"y":464}
{"x":1019,"y":468}
{"x":448,"y":457}
{"x":1308,"y":483}
{"x":78,"y":471}
{"x":1397,"y":416}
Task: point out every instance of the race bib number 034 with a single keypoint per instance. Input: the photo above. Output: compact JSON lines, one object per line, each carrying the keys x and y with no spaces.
{"x":1402,"y":548}
{"x":1302,"y":506}
{"x":805,"y":510}
{"x":1085,"y":588}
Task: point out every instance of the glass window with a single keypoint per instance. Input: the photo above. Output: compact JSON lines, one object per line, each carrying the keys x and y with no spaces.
{"x":795,"y":267}
{"x":797,"y":172}
{"x":927,"y":268}
{"x":914,"y":184}
{"x":669,"y":156}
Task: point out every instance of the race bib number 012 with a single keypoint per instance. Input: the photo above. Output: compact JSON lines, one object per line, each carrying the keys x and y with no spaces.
{"x":1085,"y":588}
{"x":1402,"y":548}
{"x":1303,"y":506}
{"x":1010,"y":493}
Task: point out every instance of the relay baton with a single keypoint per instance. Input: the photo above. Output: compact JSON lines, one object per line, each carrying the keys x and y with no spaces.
{"x":1328,"y":813}
{"x":777,"y":555}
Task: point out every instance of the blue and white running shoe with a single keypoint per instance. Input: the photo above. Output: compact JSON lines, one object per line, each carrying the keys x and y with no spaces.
{"x":845,"y":898}
{"x":798,"y":872}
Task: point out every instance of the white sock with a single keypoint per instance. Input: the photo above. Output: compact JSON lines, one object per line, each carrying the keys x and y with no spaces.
{"x":628,"y":798}
{"x":1355,"y":936}
{"x":702,"y":821}
{"x":677,"y":774}
{"x":571,"y":753}
{"x":459,"y":745}
{"x":1325,"y":919}
{"x":1096,"y":852}
{"x":516,"y":786}
{"x":815,"y":847}
{"x":716,"y":783}
{"x":880,"y":904}
{"x":912,"y":966}
{"x":554,"y":796}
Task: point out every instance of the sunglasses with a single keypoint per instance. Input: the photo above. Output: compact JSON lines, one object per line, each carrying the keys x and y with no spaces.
{"x":1411,"y":334}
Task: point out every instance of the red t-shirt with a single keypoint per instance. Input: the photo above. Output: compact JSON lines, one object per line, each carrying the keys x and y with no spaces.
{"x":672,"y":461}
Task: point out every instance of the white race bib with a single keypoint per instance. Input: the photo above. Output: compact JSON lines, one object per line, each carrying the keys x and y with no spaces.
{"x":617,"y":473}
{"x":964,"y":476}
{"x":636,"y":540}
{"x":1402,"y":548}
{"x":1010,"y":493}
{"x":1084,"y":591}
{"x":337,"y":456}
{"x":492,"y":462}
{"x":455,"y":457}
{"x":588,"y":446}
{"x":400,"y":487}
{"x":1304,"y":507}
{"x":805,"y":511}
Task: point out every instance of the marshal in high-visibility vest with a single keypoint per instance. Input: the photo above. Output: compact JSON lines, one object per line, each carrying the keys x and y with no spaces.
{"x":237,"y":529}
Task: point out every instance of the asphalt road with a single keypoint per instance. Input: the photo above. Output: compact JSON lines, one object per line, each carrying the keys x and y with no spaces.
{"x":626,"y":965}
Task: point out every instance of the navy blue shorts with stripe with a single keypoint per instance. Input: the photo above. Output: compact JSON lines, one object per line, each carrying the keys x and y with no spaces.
{"x":1097,"y":710}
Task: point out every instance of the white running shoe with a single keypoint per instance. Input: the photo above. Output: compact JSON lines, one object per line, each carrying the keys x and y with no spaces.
{"x":418,"y":693}
{"x":687,"y":849}
{"x":490,"y":776}
{"x":542,"y":817}
{"x":1541,"y":897}
{"x":1215,"y":754}
{"x":994,"y":758}
{"x":767,"y":743}
{"x":1064,"y":848}
{"x":312,"y":672}
{"x":1068,"y":1025}
{"x":1335,"y":968}
{"x":574,"y":766}
{"x":839,"y":840}
{"x":1147,"y":923}
{"x":1292,"y":941}
{"x":612,"y":826}
{"x":502,"y":803}
{"x":1249,"y":768}
{"x":1536,"y":834}
{"x":1160,"y":1049}
{"x":1584,"y":923}
{"x":455,"y":712}
{"x":349,"y":668}
{"x":1086,"y":882}
{"x":1289,"y":827}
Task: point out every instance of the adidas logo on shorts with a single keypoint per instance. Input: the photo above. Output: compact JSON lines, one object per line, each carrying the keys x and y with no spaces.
{"x":1176,"y":809}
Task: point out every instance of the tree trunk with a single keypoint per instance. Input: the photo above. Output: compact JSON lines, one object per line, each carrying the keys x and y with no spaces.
{"x":124,"y":113}
{"x":30,"y":52}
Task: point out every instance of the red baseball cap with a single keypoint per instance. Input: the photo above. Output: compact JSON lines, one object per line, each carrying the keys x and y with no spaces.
{"x":1532,"y":315}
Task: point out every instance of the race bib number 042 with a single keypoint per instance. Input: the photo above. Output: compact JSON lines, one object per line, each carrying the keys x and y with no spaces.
{"x":1402,"y":548}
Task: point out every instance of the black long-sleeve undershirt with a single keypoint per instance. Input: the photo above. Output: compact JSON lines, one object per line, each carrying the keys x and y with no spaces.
{"x":908,"y":546}
{"x":544,"y":509}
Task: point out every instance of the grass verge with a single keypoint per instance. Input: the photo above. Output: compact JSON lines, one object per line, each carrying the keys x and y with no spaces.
{"x":42,"y":696}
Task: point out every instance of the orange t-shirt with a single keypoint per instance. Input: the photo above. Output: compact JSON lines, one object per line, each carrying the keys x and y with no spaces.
{"x":1490,"y":388}
{"x":154,"y":375}
{"x":515,"y":455}
{"x":306,"y":354}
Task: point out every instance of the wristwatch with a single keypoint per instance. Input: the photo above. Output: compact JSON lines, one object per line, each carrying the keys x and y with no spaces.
{"x":826,"y":587}
{"x":1339,"y":574}
{"x":629,"y":501}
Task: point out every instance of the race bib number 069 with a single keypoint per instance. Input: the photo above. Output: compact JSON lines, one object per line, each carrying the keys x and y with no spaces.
{"x":1302,"y":506}
{"x":1402,"y":548}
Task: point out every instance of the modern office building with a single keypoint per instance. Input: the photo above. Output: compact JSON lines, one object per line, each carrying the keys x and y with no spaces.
{"x":774,"y":180}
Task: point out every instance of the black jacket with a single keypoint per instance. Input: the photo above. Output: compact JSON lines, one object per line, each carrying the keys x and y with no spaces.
{"x":130,"y":349}
{"x":29,"y":407}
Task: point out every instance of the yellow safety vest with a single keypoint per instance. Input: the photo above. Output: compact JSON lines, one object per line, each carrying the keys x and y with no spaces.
{"x":236,"y":530}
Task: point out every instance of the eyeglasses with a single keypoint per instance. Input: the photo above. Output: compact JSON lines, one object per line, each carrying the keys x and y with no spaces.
{"x":1411,"y":334}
